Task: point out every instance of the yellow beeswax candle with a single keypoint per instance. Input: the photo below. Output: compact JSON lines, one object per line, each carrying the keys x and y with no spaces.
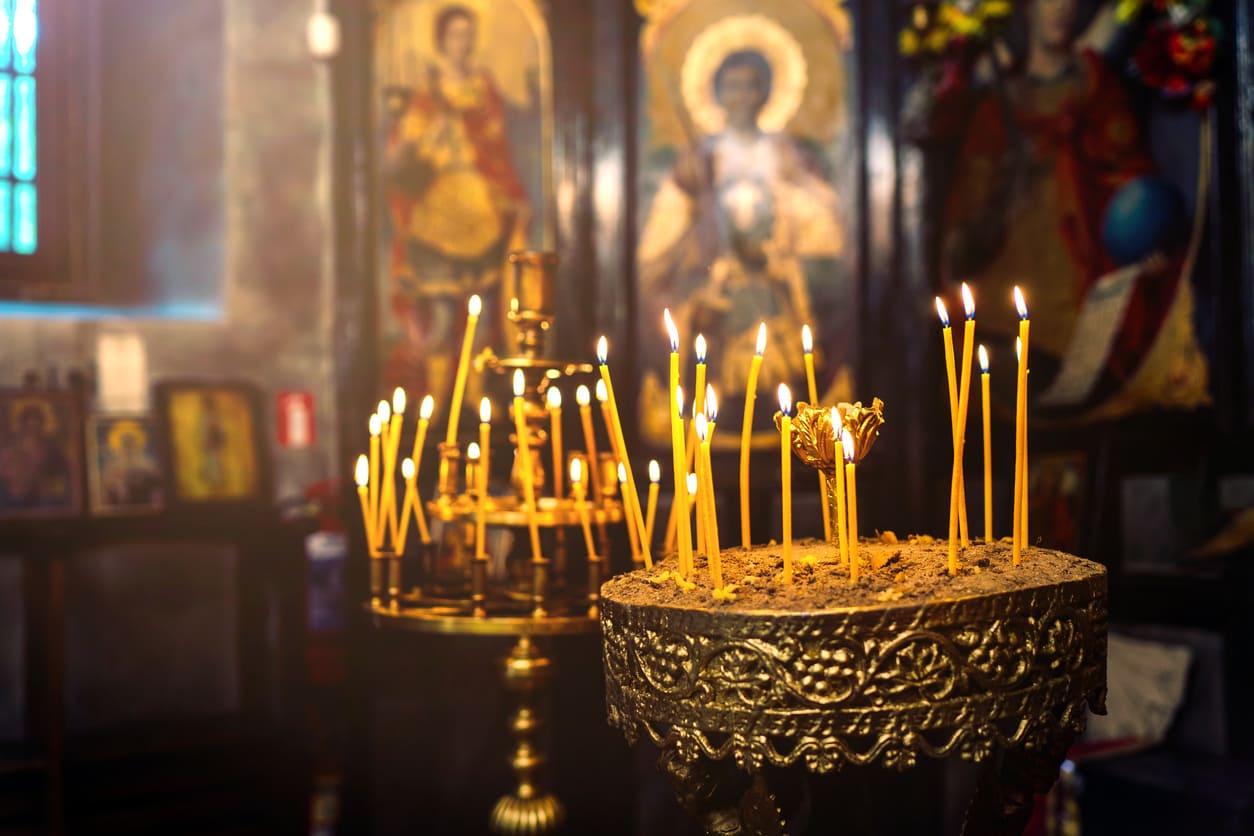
{"x":584,"y":399}
{"x":678,"y":459}
{"x":705,"y":499}
{"x":473,"y":308}
{"x":964,"y":399}
{"x":485,"y":459}
{"x":851,"y":494}
{"x":746,"y":434}
{"x":1021,"y":428}
{"x":807,"y":348}
{"x":362,"y":477}
{"x":842,"y":526}
{"x":410,"y":507}
{"x":524,"y":462}
{"x":655,"y":476}
{"x":425,"y":411}
{"x":785,"y":474}
{"x":376,"y":428}
{"x":554,"y":402}
{"x":581,"y":505}
{"x":631,"y":504}
{"x":988,"y":446}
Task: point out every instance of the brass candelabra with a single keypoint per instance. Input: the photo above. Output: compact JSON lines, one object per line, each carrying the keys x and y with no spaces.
{"x":463,"y":588}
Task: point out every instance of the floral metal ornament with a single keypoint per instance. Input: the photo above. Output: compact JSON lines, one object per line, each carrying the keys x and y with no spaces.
{"x":814,"y":440}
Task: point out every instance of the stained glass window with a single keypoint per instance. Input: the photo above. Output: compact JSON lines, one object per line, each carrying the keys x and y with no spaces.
{"x":19,"y":158}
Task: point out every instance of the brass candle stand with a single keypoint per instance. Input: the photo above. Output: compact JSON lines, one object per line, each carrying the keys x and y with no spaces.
{"x":516,"y":596}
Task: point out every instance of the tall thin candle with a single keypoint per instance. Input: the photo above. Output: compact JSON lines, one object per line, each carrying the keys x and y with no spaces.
{"x":473,"y":308}
{"x":629,"y":509}
{"x":655,"y":476}
{"x":485,"y":462}
{"x":964,"y":395}
{"x":1021,"y":428}
{"x":632,"y":504}
{"x":387,"y":487}
{"x":584,"y":398}
{"x":746,"y":434}
{"x":409,"y":473}
{"x":524,"y":462}
{"x":678,"y":459}
{"x":554,"y":402}
{"x":690,"y":447}
{"x":581,"y":505}
{"x":785,"y":474}
{"x":425,"y":411}
{"x":851,"y":493}
{"x":705,"y":499}
{"x":362,"y":477}
{"x":376,"y":427}
{"x":807,"y":348}
{"x":988,"y":446}
{"x":842,"y":526}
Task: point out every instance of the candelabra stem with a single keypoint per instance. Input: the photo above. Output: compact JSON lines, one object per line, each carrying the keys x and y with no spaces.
{"x":393,"y":561}
{"x":539,"y":586}
{"x":479,"y":586}
{"x":528,"y":810}
{"x":595,"y":573}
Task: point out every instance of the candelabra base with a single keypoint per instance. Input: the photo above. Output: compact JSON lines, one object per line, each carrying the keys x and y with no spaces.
{"x":515,"y":816}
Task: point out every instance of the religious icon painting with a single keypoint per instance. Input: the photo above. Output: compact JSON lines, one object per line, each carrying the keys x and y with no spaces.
{"x":213,"y":442}
{"x":41,"y":462}
{"x":1057,"y":493}
{"x":1065,"y":171}
{"x":747,"y":185}
{"x":124,"y":473}
{"x":464,"y":125}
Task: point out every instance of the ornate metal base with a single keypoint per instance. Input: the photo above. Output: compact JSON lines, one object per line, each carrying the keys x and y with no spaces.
{"x":1011,"y":673}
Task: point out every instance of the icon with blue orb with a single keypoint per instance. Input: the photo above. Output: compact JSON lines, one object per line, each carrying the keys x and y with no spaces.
{"x":1144,"y":217}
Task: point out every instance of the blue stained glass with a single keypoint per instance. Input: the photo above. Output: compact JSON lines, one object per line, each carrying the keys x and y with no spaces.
{"x":26,"y":220}
{"x":25,"y":35}
{"x":24,"y":151}
{"x":6,"y":216}
{"x":6,"y":33}
{"x":6,"y":125}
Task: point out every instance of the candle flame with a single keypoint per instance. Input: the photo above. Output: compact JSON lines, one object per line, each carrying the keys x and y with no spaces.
{"x":702,"y":426}
{"x":968,"y":301}
{"x":603,"y":350}
{"x":485,"y":411}
{"x":398,"y":401}
{"x":679,"y":400}
{"x":671,"y":331}
{"x":655,"y":471}
{"x":554,"y":398}
{"x":942,"y":313}
{"x":711,"y":404}
{"x":692,"y":484}
{"x":408,"y":469}
{"x":983,"y":352}
{"x":427,"y":409}
{"x":576,"y":470}
{"x":385,"y":412}
{"x":520,"y":383}
{"x":807,"y":339}
{"x":622,"y":473}
{"x":1020,"y":305}
{"x":700,"y":348}
{"x":475,"y":306}
{"x":759,"y":348}
{"x":785,"y":399}
{"x":362,"y":474}
{"x":1018,"y":347}
{"x":846,"y":441}
{"x":473,"y":452}
{"x":603,"y":394}
{"x":376,"y":426}
{"x":582,"y":396}
{"x":838,"y":426}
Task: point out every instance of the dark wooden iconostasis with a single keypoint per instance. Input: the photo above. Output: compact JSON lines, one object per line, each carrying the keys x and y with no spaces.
{"x":427,"y":721}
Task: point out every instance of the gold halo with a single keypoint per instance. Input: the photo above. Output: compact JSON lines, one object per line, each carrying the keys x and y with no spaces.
{"x":743,"y":32}
{"x":20,"y":406}
{"x":124,"y":428}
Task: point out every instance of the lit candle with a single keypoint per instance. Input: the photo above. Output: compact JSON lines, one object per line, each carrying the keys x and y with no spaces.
{"x":524,"y":462}
{"x":584,"y":398}
{"x":705,"y":501}
{"x":691,"y":482}
{"x":485,"y":459}
{"x":425,"y":410}
{"x":678,"y":460}
{"x":473,"y":308}
{"x":387,"y":485}
{"x":410,"y":507}
{"x":620,"y":458}
{"x":988,"y":447}
{"x":362,"y":475}
{"x":711,"y":416}
{"x":785,"y":473}
{"x":1021,"y":429}
{"x":376,"y":427}
{"x":851,"y":493}
{"x":951,"y":374}
{"x":807,"y":348}
{"x":842,"y":528}
{"x":746,"y":434}
{"x":964,"y":393}
{"x":631,"y":504}
{"x":392,"y":438}
{"x":690,"y":450}
{"x":655,"y":476}
{"x":472,"y":469}
{"x":576,"y":486}
{"x":554,"y":401}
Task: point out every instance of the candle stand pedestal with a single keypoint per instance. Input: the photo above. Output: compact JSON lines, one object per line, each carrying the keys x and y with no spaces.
{"x":738,"y":700}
